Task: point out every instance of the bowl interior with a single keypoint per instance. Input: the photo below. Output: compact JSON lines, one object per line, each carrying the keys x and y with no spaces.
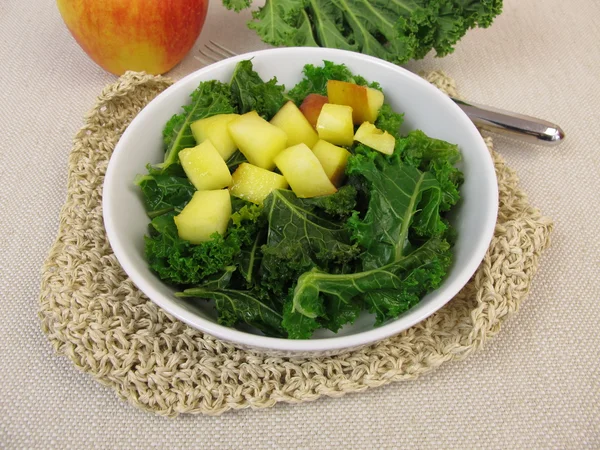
{"x":425,"y":108}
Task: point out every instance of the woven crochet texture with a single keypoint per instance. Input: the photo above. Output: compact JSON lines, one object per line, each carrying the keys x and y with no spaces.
{"x":94,"y":315}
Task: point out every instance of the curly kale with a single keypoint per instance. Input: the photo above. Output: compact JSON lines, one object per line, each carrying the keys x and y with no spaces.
{"x":397,"y":31}
{"x":180,"y":262}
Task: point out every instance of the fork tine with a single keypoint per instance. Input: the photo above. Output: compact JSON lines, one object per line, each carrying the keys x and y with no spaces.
{"x":219,"y":51}
{"x":205,"y":61}
{"x":219,"y":54}
{"x":225,"y":49}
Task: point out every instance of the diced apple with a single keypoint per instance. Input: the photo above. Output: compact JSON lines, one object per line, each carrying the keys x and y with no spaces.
{"x":257,"y":139}
{"x":375,"y":102}
{"x":304,"y":172}
{"x":214,"y":129}
{"x":311,"y":107}
{"x":365,"y":101}
{"x":206,"y":213}
{"x":375,"y":138}
{"x":205,"y":167}
{"x":333,"y":159}
{"x":254,"y":184}
{"x":291,"y":120}
{"x":335,"y":124}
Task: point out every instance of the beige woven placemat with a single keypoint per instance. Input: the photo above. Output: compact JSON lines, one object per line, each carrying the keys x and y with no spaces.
{"x":94,"y":315}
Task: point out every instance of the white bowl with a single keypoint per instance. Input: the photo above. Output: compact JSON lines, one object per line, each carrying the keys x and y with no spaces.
{"x":425,"y":108}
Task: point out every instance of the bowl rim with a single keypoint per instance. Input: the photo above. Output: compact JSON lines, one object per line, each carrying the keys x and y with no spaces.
{"x":335,"y":343}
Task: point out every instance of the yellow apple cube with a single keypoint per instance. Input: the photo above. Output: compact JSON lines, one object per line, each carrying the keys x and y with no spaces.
{"x":365,"y":101}
{"x":304,"y":172}
{"x":375,"y":101}
{"x":333,"y":159}
{"x":208,"y":212}
{"x":297,"y":127}
{"x":257,"y":139}
{"x":205,"y":167}
{"x":379,"y":140}
{"x":335,"y":124}
{"x":255,"y":184}
{"x":215,"y":130}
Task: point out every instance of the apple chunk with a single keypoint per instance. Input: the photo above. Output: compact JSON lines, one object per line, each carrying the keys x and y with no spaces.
{"x":254,"y":184}
{"x":333,"y":159}
{"x":365,"y":101}
{"x":214,"y":129}
{"x":304,"y":172}
{"x":205,"y":167}
{"x":208,"y":212}
{"x":335,"y":124}
{"x":298,"y":129}
{"x":257,"y":139}
{"x":379,"y":140}
{"x":311,"y":107}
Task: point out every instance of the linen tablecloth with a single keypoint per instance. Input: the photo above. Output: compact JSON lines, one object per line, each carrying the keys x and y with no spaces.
{"x":536,"y":385}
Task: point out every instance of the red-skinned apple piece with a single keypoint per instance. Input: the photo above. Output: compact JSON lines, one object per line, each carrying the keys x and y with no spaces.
{"x":140,"y":35}
{"x":365,"y":101}
{"x":311,"y":107}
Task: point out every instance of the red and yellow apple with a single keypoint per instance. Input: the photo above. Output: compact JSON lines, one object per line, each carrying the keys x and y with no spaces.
{"x":140,"y":35}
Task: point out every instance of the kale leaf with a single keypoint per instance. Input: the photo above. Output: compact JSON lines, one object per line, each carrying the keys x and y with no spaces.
{"x":250,"y":93}
{"x":180,"y":262}
{"x":394,"y":272}
{"x":397,"y":31}
{"x":388,"y":289}
{"x":237,"y":306}
{"x":437,"y":157}
{"x":163,"y":192}
{"x":395,"y":191}
{"x":299,"y":238}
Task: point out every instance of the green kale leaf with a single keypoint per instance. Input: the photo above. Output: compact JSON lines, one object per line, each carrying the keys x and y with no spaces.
{"x":435,"y":156}
{"x":163,"y":192}
{"x":394,"y":272}
{"x":236,"y":306}
{"x":387,"y":290}
{"x":250,"y":93}
{"x":395,"y":191}
{"x":180,"y":262}
{"x":389,"y":120}
{"x":300,"y":237}
{"x":397,"y":31}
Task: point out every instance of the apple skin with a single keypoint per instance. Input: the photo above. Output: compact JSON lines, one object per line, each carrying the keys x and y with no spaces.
{"x":311,"y":107}
{"x":140,"y":35}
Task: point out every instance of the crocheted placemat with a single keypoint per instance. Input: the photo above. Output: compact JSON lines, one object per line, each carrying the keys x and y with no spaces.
{"x":94,"y":315}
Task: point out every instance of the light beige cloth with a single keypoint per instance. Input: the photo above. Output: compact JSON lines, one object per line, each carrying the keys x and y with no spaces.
{"x":536,"y":384}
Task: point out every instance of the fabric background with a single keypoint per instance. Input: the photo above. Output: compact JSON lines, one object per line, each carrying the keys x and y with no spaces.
{"x":536,"y":385}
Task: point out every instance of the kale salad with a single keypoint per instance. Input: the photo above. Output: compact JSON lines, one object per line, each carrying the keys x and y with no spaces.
{"x":293,"y":210}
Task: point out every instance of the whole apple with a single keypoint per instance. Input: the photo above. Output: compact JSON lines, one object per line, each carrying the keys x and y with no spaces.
{"x":140,"y":35}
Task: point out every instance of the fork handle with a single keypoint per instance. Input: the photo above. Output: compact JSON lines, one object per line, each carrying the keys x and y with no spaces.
{"x":519,"y":126}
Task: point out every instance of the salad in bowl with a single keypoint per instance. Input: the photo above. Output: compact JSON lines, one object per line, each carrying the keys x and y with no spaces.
{"x":317,"y":207}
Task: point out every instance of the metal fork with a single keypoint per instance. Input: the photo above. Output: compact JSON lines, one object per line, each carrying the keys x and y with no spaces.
{"x":506,"y":123}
